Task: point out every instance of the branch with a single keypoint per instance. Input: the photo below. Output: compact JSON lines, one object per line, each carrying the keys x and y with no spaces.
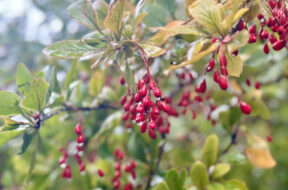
{"x":233,"y":139}
{"x":153,"y":171}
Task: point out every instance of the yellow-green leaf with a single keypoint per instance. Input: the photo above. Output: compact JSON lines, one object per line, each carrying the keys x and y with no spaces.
{"x":152,"y":51}
{"x":239,"y":40}
{"x":162,"y":186}
{"x":215,"y":186}
{"x":8,"y":103}
{"x":35,"y":99}
{"x":199,"y":175}
{"x":234,"y":65}
{"x":220,"y":170}
{"x":239,"y":14}
{"x":209,"y":14}
{"x":97,"y":82}
{"x":113,"y":21}
{"x":210,"y":150}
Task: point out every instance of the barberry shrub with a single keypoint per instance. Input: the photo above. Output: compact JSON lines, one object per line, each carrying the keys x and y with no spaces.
{"x":156,"y":96}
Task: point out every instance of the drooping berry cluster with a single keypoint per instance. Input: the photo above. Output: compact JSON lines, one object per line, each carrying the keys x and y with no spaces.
{"x":130,"y":168}
{"x":148,"y":108}
{"x":278,"y":23}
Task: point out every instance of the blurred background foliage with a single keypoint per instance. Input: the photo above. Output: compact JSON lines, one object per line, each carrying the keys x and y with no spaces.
{"x":27,"y":26}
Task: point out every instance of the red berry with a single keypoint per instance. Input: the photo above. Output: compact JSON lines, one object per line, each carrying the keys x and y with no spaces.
{"x":100,"y":173}
{"x":82,"y":167}
{"x":155,"y":111}
{"x":222,"y":82}
{"x":116,"y":185}
{"x":264,"y":35}
{"x":241,"y":25}
{"x":133,"y":164}
{"x":125,"y":116}
{"x":152,"y":85}
{"x":216,"y":76}
{"x":252,"y":29}
{"x":224,"y":71}
{"x":152,"y":124}
{"x":257,"y":85}
{"x":80,"y":138}
{"x":123,"y":100}
{"x":235,"y":53}
{"x":260,"y":16}
{"x":278,"y":45}
{"x":140,"y":118}
{"x":143,"y":91}
{"x":271,"y":22}
{"x":266,"y":48}
{"x":146,"y":101}
{"x":252,"y":38}
{"x":269,"y":138}
{"x":78,"y":129}
{"x":122,"y":81}
{"x":141,"y":83}
{"x":194,"y":115}
{"x":198,"y":98}
{"x":152,"y":134}
{"x":248,"y":82}
{"x":223,"y":61}
{"x":67,"y":172}
{"x":272,"y":39}
{"x":245,"y":108}
{"x":163,"y":106}
{"x":210,"y":65}
{"x":157,"y":92}
{"x":143,"y":127}
{"x":118,"y":166}
{"x":202,"y":87}
{"x":140,"y":108}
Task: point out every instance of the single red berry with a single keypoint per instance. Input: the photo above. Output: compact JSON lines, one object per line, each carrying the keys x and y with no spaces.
{"x":235,"y":53}
{"x":125,"y":116}
{"x":152,"y":85}
{"x":141,"y":83}
{"x":123,"y":100}
{"x":223,"y":60}
{"x":252,"y":38}
{"x":245,"y":108}
{"x":163,"y":106}
{"x":82,"y":167}
{"x":122,"y":81}
{"x":100,"y":173}
{"x":264,"y":34}
{"x":241,"y":25}
{"x":140,"y":108}
{"x":80,"y":138}
{"x":143,"y":127}
{"x":198,"y":98}
{"x":248,"y":82}
{"x":127,"y":168}
{"x":257,"y":85}
{"x":271,"y":22}
{"x":269,"y":138}
{"x":78,"y":129}
{"x":202,"y":87}
{"x":216,"y":76}
{"x":133,"y":164}
{"x":155,"y":111}
{"x":146,"y":101}
{"x":194,"y":115}
{"x":278,"y":45}
{"x":143,"y":91}
{"x":152,"y":134}
{"x":210,"y":65}
{"x":157,"y":92}
{"x":214,"y":39}
{"x":140,"y":118}
{"x":67,"y":172}
{"x":118,"y":166}
{"x":116,"y":184}
{"x":152,"y":124}
{"x":224,"y":71}
{"x":252,"y":29}
{"x":260,"y":16}
{"x":222,"y":82}
{"x":78,"y":158}
{"x":272,"y":39}
{"x":62,"y":161}
{"x":266,"y":48}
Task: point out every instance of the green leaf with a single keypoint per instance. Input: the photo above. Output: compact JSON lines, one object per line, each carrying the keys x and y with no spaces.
{"x":97,"y":82}
{"x":135,"y":147}
{"x":199,"y":175}
{"x":129,"y":77}
{"x":24,"y":78}
{"x":101,"y":56}
{"x":161,"y":186}
{"x":235,"y":185}
{"x":27,"y":138}
{"x":174,"y":180}
{"x":208,"y":16}
{"x":168,"y":5}
{"x":8,"y":103}
{"x":71,"y":74}
{"x":230,"y":117}
{"x":35,"y":99}
{"x":113,"y":21}
{"x":83,"y":12}
{"x":6,"y":136}
{"x":51,"y":78}
{"x":181,"y":158}
{"x":210,"y":150}
{"x":69,"y":49}
{"x":220,"y":170}
{"x":216,"y":186}
{"x":152,"y":51}
{"x":156,"y":16}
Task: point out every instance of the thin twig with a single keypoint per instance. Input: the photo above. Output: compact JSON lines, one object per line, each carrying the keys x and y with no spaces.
{"x":233,"y":139}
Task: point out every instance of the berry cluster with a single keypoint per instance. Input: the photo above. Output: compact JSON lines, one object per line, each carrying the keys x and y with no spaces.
{"x":277,"y":24}
{"x":148,"y":108}
{"x":128,"y":169}
{"x":79,"y":152}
